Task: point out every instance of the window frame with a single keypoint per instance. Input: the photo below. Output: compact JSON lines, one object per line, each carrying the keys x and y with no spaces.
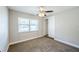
{"x":28,"y":25}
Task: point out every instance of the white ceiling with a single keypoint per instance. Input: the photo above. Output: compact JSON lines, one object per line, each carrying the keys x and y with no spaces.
{"x":34,"y":10}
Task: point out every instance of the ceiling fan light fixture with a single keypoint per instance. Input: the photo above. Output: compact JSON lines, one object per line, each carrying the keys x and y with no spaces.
{"x":42,"y":11}
{"x":41,"y":14}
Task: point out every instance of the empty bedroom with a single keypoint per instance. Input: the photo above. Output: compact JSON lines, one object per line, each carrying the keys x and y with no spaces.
{"x":39,"y":28}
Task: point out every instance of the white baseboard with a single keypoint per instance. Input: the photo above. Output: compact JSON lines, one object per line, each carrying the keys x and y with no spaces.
{"x":68,"y":43}
{"x":65,"y":42}
{"x":24,"y":40}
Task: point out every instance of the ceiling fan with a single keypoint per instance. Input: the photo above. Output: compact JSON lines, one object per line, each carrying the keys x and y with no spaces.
{"x":43,"y":11}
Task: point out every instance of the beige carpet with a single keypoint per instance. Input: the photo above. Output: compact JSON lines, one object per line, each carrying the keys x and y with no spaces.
{"x":43,"y":44}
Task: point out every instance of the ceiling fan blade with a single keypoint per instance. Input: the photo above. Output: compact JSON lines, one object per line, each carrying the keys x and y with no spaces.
{"x":49,"y":11}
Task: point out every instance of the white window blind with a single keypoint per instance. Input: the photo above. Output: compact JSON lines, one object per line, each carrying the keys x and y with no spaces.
{"x":23,"y":25}
{"x":26,"y":25}
{"x":33,"y":25}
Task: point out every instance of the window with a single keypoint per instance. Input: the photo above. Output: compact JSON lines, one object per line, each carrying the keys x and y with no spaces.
{"x":26,"y":25}
{"x":33,"y":25}
{"x":23,"y":25}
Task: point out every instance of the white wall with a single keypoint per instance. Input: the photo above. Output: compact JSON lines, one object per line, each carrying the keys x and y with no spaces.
{"x":67,"y":27}
{"x":51,"y":26}
{"x":3,"y":28}
{"x":15,"y":36}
